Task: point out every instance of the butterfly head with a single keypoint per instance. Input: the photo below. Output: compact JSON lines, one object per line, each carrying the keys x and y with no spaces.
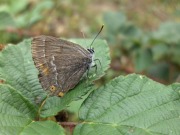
{"x":91,"y":50}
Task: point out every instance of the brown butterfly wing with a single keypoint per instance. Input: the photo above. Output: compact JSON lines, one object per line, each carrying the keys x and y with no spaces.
{"x":61,"y":63}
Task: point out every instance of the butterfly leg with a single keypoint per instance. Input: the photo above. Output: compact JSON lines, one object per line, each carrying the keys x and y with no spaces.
{"x":87,"y":78}
{"x":99,"y":62}
{"x":95,"y":65}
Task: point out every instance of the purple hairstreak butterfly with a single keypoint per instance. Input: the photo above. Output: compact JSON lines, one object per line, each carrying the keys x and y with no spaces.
{"x":61,"y":63}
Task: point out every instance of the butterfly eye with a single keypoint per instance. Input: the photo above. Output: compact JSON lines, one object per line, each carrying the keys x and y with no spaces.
{"x":53,"y":88}
{"x":91,"y":50}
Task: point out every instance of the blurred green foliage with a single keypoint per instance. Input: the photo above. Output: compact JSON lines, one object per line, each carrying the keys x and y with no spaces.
{"x":21,"y":14}
{"x":148,"y":51}
{"x":18,"y":15}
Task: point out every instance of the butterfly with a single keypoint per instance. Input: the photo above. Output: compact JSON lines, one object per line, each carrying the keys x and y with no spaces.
{"x":61,"y":63}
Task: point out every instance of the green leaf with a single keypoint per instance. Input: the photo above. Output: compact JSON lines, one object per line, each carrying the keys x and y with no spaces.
{"x":160,"y":51}
{"x":43,"y":128}
{"x":17,"y":114}
{"x":114,"y":21}
{"x":176,"y":87}
{"x":119,"y":31}
{"x":166,"y":40}
{"x":132,"y":105}
{"x":54,"y":105}
{"x":24,"y":19}
{"x":168,"y":32}
{"x":17,"y":69}
{"x":20,"y":93}
{"x":142,"y":59}
{"x":31,"y":17}
{"x":15,"y":111}
{"x":160,"y":70}
{"x":12,"y":6}
{"x":174,"y":54}
{"x":6,"y":20}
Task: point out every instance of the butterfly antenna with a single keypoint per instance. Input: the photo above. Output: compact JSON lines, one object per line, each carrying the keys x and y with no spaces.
{"x":96,"y":36}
